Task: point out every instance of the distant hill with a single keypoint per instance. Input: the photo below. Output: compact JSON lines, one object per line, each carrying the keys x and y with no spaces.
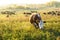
{"x":53,"y":4}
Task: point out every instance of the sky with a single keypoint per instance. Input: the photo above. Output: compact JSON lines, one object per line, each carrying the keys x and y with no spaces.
{"x":20,"y":2}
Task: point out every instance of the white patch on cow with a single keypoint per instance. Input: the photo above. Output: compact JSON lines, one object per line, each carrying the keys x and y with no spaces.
{"x":41,"y":24}
{"x":38,"y":15}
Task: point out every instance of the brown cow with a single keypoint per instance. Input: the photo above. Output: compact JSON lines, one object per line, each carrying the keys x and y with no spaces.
{"x":36,"y":20}
{"x":49,"y":13}
{"x":28,"y":13}
{"x":44,"y":13}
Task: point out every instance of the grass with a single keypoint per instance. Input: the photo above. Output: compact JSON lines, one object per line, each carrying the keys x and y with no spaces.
{"x":18,"y":27}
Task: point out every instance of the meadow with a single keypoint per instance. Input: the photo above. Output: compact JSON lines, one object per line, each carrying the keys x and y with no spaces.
{"x":18,"y":27}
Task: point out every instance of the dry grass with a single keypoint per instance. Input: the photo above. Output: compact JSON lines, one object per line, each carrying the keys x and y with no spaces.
{"x":18,"y":27}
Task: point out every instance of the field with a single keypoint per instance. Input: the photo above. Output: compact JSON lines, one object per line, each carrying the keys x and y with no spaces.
{"x":18,"y":27}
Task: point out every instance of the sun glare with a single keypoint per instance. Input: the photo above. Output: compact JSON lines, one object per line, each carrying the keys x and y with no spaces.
{"x":7,"y":2}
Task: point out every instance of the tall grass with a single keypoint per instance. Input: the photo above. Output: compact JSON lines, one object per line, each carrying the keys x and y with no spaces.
{"x":18,"y":27}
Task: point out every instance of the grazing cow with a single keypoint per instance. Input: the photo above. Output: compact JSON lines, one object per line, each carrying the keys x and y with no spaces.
{"x":11,"y":13}
{"x":28,"y":13}
{"x":58,"y":14}
{"x":49,"y":12}
{"x":44,"y":13}
{"x":53,"y":13}
{"x":8,"y":13}
{"x":36,"y":20}
{"x":3,"y":13}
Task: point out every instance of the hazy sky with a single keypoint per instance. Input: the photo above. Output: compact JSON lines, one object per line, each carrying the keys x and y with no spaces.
{"x":7,"y":2}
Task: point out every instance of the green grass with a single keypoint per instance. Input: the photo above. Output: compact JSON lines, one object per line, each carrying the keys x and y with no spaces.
{"x":18,"y":27}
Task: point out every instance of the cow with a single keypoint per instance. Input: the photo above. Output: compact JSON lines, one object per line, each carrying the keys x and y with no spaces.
{"x":44,"y":13}
{"x":36,"y":20}
{"x":58,"y":13}
{"x":3,"y":13}
{"x":53,"y":13}
{"x":28,"y":13}
{"x":49,"y":12}
{"x":8,"y":13}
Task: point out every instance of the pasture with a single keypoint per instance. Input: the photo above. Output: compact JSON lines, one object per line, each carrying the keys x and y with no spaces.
{"x":18,"y":27}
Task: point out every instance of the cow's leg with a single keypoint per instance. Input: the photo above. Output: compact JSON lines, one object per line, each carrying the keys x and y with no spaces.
{"x":35,"y":24}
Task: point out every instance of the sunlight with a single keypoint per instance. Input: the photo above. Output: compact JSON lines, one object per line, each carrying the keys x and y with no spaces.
{"x":7,"y":2}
